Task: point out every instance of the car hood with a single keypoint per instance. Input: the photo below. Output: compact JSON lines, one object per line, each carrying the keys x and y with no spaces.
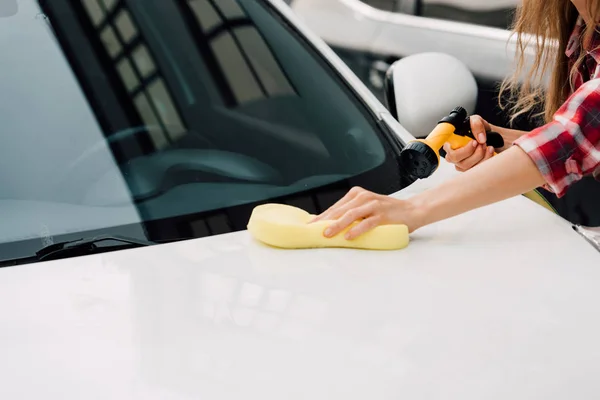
{"x":497,"y":303}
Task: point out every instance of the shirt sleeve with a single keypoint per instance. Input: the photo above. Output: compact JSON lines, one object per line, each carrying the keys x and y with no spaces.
{"x":568,"y":148}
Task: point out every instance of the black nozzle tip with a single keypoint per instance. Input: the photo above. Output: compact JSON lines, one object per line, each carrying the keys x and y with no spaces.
{"x":456,"y":117}
{"x":419,"y":160}
{"x":460,"y":110}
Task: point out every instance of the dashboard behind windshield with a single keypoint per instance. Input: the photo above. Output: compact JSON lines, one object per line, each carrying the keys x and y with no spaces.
{"x":168,"y":120}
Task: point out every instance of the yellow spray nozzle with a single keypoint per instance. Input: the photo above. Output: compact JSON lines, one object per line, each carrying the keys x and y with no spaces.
{"x":420,"y":158}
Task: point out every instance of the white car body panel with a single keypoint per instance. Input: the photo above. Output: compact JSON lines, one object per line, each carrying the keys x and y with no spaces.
{"x":351,"y":24}
{"x":476,"y":5}
{"x":497,"y":303}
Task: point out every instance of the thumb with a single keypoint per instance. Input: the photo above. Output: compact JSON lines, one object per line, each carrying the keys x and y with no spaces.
{"x":479,"y":127}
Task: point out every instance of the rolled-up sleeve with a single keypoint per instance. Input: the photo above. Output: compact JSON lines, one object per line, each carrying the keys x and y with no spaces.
{"x":568,"y":147}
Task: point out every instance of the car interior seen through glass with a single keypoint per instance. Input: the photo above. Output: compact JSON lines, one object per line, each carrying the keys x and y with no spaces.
{"x":166,"y":120}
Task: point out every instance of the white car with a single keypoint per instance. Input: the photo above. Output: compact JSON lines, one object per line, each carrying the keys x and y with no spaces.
{"x":370,"y":37}
{"x":495,"y":13}
{"x":127,"y":125}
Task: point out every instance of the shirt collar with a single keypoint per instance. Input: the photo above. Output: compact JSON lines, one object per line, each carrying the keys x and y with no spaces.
{"x":573,"y":46}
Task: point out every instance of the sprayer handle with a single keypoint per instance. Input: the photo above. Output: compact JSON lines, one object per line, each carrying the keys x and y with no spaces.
{"x":494,"y":139}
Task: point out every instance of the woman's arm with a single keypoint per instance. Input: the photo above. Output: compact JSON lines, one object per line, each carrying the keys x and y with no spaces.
{"x":509,"y":174}
{"x":555,"y":156}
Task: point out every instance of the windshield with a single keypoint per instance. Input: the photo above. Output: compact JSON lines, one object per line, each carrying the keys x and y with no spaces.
{"x":168,"y":120}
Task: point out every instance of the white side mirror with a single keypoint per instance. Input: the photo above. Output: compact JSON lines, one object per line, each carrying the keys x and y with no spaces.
{"x":8,"y":8}
{"x":422,"y":89}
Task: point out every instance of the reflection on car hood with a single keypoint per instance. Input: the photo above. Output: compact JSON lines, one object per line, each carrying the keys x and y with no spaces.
{"x":498,"y":303}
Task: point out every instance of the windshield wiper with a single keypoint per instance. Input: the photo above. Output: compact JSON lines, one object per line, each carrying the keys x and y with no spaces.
{"x":87,"y":246}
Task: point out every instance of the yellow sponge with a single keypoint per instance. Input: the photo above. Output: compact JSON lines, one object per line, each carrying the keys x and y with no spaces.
{"x":288,"y":227}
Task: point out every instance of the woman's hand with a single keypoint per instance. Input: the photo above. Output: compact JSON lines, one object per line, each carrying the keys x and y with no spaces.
{"x":371,"y":210}
{"x":511,"y":173}
{"x":476,"y":151}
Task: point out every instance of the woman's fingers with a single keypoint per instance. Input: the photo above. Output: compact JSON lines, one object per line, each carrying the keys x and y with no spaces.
{"x":479,"y":127}
{"x":476,"y":158}
{"x":489,"y":153}
{"x":476,"y":151}
{"x":356,"y":202}
{"x":334,"y":209}
{"x":482,"y":154}
{"x":362,"y":212}
{"x":457,"y":155}
{"x":364,"y":226}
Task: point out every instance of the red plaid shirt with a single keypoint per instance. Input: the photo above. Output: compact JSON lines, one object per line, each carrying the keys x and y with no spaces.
{"x":568,"y":148}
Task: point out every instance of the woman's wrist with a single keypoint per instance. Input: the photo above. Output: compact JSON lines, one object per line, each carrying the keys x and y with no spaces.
{"x":509,"y":174}
{"x":418,"y":211}
{"x":509,"y":135}
{"x":429,"y":207}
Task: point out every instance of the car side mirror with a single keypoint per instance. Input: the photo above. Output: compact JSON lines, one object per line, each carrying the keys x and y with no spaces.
{"x":423,"y":88}
{"x":8,"y":8}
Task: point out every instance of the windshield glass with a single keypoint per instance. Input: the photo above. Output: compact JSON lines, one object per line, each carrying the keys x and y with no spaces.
{"x":167,"y":120}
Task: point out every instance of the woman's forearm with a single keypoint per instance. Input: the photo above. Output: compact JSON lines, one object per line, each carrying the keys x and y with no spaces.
{"x":506,"y":175}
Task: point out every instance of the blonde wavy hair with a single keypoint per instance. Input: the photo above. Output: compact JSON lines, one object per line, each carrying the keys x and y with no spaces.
{"x":546,"y":26}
